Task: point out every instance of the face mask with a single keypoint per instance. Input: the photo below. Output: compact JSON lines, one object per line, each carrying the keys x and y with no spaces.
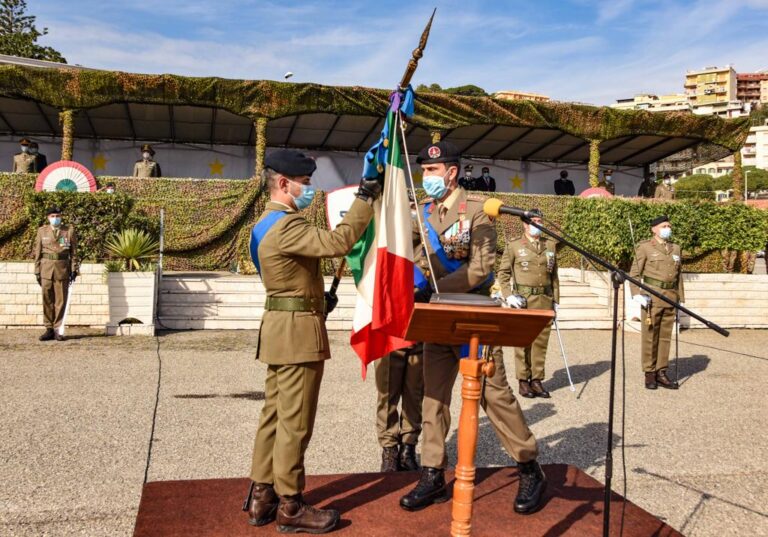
{"x":145,"y":155}
{"x":24,"y":149}
{"x":305,"y":198}
{"x":668,"y":182}
{"x":434,"y":186}
{"x":609,"y":178}
{"x":468,"y":174}
{"x":665,"y":233}
{"x":534,"y":231}
{"x":486,"y":175}
{"x":110,"y":191}
{"x":55,"y":221}
{"x":33,"y":151}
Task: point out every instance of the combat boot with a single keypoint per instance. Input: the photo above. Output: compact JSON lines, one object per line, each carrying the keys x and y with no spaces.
{"x":525,"y":389}
{"x":430,"y":489}
{"x":663,"y":380}
{"x":650,"y":380}
{"x":262,"y":505}
{"x":538,"y":389}
{"x":407,"y":458}
{"x":533,"y":482}
{"x":295,"y":516}
{"x":47,"y":335}
{"x":389,"y":459}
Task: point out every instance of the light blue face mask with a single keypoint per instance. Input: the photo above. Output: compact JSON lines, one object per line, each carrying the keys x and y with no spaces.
{"x":434,"y":185}
{"x":665,"y":233}
{"x":305,"y":198}
{"x":55,"y":221}
{"x":534,"y":231}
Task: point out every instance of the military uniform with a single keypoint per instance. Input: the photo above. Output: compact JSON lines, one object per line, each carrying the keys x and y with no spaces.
{"x":293,"y":341}
{"x":146,"y":168}
{"x":659,"y":265}
{"x":664,"y":192}
{"x":529,"y":268}
{"x":24,"y":163}
{"x":55,"y":254}
{"x":607,"y":185}
{"x":468,"y":236}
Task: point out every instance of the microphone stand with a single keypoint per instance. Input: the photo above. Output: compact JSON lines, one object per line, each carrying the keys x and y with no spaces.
{"x":618,"y":277}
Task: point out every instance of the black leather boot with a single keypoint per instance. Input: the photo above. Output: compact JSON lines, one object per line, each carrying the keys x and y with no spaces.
{"x":525,"y":389}
{"x":533,"y":482}
{"x":262,"y":505}
{"x":663,"y":380}
{"x":407,"y":458}
{"x":538,"y":389}
{"x":47,"y":335}
{"x":389,"y":460}
{"x":430,"y":489}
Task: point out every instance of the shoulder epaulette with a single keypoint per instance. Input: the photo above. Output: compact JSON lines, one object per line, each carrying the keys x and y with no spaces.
{"x":476,"y":197}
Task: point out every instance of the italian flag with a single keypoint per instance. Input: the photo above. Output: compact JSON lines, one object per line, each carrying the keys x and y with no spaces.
{"x":382,"y":264}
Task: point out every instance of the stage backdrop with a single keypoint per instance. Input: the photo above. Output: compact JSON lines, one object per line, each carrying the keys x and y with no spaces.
{"x":335,"y":169}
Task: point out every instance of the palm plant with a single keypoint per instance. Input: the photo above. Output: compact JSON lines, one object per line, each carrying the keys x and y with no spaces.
{"x":132,"y":248}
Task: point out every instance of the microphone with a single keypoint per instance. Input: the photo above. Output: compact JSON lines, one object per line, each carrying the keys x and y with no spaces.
{"x":493,"y":207}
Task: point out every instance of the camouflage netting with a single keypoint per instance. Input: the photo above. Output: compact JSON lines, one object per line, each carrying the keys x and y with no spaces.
{"x":71,"y":89}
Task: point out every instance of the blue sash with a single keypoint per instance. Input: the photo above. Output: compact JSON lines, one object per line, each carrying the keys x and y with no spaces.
{"x":261,"y":228}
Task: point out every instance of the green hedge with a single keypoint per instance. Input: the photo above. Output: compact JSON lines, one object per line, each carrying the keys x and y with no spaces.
{"x":208,"y":222}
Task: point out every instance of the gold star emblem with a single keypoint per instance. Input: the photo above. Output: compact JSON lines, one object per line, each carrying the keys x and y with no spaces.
{"x":217,"y":167}
{"x":99,"y":162}
{"x":517,"y":182}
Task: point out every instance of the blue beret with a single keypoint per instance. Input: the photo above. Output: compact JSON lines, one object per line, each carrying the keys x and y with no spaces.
{"x":439,"y":152}
{"x":290,"y":162}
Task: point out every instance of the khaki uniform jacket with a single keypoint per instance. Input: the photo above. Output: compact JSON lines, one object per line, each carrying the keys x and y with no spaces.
{"x":60,"y":243}
{"x":664,"y":192}
{"x":467,"y":234}
{"x":524,"y":264}
{"x":661,"y":261}
{"x":289,"y":255}
{"x":150,"y":168}
{"x":24,"y":163}
{"x":609,"y":186}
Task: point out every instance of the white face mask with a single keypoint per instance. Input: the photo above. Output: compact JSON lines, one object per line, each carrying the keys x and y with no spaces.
{"x":24,"y":149}
{"x":609,"y":178}
{"x":145,"y":155}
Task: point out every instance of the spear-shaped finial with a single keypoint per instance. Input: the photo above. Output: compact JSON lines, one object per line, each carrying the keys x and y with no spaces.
{"x":418,"y":52}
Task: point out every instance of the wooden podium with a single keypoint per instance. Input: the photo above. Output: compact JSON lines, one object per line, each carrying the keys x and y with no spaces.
{"x":452,"y":324}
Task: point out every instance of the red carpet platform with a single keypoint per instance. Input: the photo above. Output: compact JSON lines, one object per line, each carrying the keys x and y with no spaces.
{"x":369,"y":507}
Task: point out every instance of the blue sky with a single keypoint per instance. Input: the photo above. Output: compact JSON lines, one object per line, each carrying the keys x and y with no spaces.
{"x":592,"y":51}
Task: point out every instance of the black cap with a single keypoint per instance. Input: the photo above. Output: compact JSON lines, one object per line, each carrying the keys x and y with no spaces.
{"x":53,"y":210}
{"x":439,"y":152}
{"x":659,"y":220}
{"x":290,"y":162}
{"x":148,"y":149}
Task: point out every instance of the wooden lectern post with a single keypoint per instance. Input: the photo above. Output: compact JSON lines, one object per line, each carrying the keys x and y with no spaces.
{"x":449,"y":324}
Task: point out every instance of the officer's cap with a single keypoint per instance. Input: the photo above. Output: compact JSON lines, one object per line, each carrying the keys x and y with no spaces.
{"x":439,"y":152}
{"x":659,"y":220}
{"x":24,"y":141}
{"x":290,"y":162}
{"x":148,"y":148}
{"x":53,"y":210}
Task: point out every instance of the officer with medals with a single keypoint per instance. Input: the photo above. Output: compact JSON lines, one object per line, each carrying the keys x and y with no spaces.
{"x":24,"y":162}
{"x":293,"y":341}
{"x":461,"y":244}
{"x":147,"y":166}
{"x":658,"y":263}
{"x":56,"y":267}
{"x":528,"y":275}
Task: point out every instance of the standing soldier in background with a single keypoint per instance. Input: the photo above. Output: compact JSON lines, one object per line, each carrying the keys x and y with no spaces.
{"x":647,"y":187}
{"x":467,"y":182}
{"x":607,"y":182}
{"x":461,"y":245}
{"x":528,"y":272}
{"x":24,"y":162}
{"x":399,"y":375}
{"x":293,"y":341}
{"x":147,"y":167}
{"x":564,"y":186}
{"x":56,"y":267}
{"x":41,"y":161}
{"x":664,"y":191}
{"x":659,"y":263}
{"x":485,"y":183}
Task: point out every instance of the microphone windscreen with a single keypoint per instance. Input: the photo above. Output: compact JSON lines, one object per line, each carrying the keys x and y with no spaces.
{"x":491,"y":207}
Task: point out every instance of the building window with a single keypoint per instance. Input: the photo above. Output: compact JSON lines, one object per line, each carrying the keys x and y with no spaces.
{"x":711,"y":171}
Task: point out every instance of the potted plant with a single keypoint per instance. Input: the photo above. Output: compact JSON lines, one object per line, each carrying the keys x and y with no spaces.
{"x":132,"y":282}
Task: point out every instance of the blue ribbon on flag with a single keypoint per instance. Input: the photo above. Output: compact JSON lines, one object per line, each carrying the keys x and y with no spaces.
{"x":378,"y":155}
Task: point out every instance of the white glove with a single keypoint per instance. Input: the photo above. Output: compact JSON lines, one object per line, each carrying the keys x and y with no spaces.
{"x":514,"y":301}
{"x":642,"y":300}
{"x":555,"y":306}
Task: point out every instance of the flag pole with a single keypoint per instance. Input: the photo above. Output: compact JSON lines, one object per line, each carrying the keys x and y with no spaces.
{"x":410,"y":69}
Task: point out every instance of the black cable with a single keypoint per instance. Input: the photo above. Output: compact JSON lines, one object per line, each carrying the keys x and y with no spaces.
{"x":623,"y":424}
{"x":154,"y":411}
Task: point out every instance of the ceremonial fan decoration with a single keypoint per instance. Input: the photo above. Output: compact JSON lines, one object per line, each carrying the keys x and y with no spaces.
{"x":66,"y":176}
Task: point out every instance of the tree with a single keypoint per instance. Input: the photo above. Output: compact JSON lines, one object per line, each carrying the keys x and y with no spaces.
{"x":469,"y":89}
{"x":698,"y":186}
{"x":19,"y":35}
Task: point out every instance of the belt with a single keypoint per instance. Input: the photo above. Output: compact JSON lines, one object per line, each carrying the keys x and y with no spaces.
{"x":659,"y":283}
{"x":56,"y":257}
{"x":542,"y":290}
{"x":294,"y":303}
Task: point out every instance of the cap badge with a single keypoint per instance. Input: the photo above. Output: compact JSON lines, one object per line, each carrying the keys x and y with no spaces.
{"x":434,"y":152}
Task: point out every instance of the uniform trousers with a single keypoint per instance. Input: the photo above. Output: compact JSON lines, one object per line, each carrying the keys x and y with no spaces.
{"x":54,"y":301}
{"x":656,"y":338}
{"x":441,"y":366}
{"x":285,"y":425}
{"x":399,"y":375}
{"x":529,"y":361}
